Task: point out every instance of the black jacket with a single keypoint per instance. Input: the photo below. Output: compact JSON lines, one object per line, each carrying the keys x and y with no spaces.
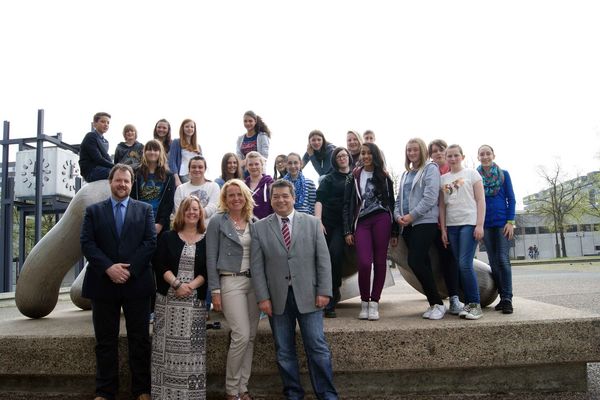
{"x":92,"y":154}
{"x":353,"y":202}
{"x":167,"y":258}
{"x":102,"y":248}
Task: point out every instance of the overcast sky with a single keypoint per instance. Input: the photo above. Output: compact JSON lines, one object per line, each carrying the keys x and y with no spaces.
{"x":522,"y":76}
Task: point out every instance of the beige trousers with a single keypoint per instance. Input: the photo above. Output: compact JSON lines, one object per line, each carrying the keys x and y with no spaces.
{"x":242,"y":315}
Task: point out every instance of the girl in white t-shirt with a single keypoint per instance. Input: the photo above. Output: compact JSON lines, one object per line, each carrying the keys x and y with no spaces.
{"x":462,"y":212}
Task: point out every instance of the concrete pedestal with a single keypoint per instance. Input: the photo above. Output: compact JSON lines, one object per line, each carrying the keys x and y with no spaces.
{"x":539,"y":348}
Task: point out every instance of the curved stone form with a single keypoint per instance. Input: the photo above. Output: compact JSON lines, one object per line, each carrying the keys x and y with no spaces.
{"x":76,"y":289}
{"x":52,"y":257}
{"x":487,"y":288}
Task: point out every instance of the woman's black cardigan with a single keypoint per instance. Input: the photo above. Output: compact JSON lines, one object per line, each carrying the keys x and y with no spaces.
{"x":167,"y":256}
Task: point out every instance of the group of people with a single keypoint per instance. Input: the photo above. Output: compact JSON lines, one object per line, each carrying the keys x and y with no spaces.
{"x":533,"y":251}
{"x":250,"y":243}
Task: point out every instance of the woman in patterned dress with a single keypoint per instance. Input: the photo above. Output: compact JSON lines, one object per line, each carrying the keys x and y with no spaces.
{"x":179,"y":337}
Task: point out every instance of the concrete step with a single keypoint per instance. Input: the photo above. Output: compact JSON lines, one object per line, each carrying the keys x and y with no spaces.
{"x":539,"y":348}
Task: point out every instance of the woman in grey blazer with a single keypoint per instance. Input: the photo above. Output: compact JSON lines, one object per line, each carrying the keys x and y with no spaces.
{"x":228,"y":264}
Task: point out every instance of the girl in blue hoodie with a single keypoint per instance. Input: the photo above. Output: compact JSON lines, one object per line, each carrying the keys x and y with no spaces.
{"x":499,"y":223}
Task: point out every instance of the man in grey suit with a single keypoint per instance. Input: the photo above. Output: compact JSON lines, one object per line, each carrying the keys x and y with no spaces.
{"x":291,"y":274}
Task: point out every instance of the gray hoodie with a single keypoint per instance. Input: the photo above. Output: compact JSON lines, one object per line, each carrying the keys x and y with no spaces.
{"x":423,"y":196}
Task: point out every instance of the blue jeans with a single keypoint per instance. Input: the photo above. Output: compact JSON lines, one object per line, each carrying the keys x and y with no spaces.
{"x":315,"y":346}
{"x":497,"y":247}
{"x":463,"y":246}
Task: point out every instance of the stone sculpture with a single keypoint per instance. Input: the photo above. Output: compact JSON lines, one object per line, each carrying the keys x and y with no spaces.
{"x":52,"y":257}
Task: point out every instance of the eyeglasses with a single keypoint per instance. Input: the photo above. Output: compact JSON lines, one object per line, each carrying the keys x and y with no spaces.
{"x":340,"y":156}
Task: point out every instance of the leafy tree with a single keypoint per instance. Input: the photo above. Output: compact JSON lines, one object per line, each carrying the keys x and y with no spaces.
{"x":593,"y":198}
{"x":48,"y":221}
{"x":563,"y":199}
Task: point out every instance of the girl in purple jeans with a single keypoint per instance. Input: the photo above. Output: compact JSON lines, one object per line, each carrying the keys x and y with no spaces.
{"x":368,"y":224}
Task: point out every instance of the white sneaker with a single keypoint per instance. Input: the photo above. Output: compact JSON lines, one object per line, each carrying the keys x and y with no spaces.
{"x":456,"y":305}
{"x":427,"y":313}
{"x":373,"y":311}
{"x":475,"y":311}
{"x":364,"y":310}
{"x":466,"y":309}
{"x":438,"y":311}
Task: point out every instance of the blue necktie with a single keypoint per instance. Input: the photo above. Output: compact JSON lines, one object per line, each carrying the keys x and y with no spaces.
{"x":119,"y":218}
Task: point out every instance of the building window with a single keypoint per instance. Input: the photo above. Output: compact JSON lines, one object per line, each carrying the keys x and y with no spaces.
{"x":571,"y":228}
{"x":587,"y":228}
{"x":543,"y":229}
{"x":530,"y":230}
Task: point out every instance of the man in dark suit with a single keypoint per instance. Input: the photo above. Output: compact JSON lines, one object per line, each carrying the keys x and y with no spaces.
{"x":289,"y":252}
{"x":94,"y":161}
{"x":118,"y":239}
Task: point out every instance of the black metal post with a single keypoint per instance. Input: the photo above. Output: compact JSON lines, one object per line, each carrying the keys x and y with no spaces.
{"x":22,"y":241}
{"x":5,"y":216}
{"x":39,"y":176}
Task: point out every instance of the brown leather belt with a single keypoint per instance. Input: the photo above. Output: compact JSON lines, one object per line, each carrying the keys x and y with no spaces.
{"x":245,"y":273}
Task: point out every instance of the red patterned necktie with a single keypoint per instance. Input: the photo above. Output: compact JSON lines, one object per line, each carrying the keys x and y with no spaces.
{"x":285,"y":231}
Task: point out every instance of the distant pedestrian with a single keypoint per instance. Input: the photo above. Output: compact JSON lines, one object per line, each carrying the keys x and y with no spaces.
{"x":531,"y":255}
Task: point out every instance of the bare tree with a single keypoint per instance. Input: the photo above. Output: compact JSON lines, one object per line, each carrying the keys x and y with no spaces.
{"x":562,"y":199}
